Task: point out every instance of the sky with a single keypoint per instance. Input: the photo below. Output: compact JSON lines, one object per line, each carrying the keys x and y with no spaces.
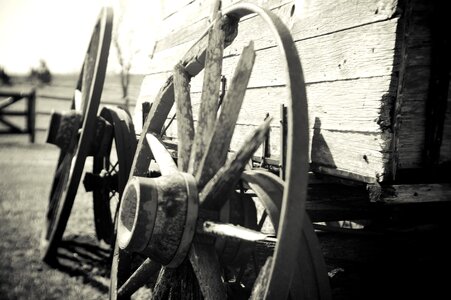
{"x":58,"y":31}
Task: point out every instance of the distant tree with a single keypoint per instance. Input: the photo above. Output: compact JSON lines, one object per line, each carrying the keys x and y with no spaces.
{"x":125,"y":52}
{"x":41,"y":74}
{"x":4,"y":77}
{"x":133,"y":37}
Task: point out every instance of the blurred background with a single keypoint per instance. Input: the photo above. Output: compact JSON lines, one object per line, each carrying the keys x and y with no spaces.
{"x":44,"y":44}
{"x":58,"y":32}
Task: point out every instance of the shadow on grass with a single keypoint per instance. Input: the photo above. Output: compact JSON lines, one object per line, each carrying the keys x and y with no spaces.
{"x":84,"y":257}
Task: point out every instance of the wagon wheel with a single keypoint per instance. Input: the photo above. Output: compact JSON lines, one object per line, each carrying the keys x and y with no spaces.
{"x":76,"y":143}
{"x":111,"y":168}
{"x":159,"y":216}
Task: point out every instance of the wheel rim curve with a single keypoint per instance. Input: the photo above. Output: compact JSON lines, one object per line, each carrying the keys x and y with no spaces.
{"x":124,"y":139}
{"x":56,"y":225}
{"x":294,"y":195}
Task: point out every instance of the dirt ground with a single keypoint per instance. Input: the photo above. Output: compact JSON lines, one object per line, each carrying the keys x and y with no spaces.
{"x":414,"y":265}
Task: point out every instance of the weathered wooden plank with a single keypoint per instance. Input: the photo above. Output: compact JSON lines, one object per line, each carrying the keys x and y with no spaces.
{"x":415,"y":89}
{"x":437,"y":100}
{"x":332,"y":201}
{"x":306,"y":19}
{"x":186,"y":23}
{"x":352,"y":105}
{"x":346,"y":55}
{"x":415,"y":193}
{"x":350,"y":121}
{"x":312,"y":19}
{"x":352,"y":152}
{"x":359,"y":52}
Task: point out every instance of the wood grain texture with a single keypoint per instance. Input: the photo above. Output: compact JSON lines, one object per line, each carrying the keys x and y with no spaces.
{"x":414,"y":89}
{"x":415,"y":193}
{"x":215,"y":192}
{"x":334,"y":114}
{"x":349,"y":65}
{"x":185,"y":126}
{"x":359,"y":52}
{"x":185,"y":23}
{"x":218,"y":147}
{"x":210,"y":94}
{"x":306,"y":19}
{"x":206,"y":266}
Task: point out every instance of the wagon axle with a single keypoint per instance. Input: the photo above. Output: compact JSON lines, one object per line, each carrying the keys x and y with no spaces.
{"x":104,"y":179}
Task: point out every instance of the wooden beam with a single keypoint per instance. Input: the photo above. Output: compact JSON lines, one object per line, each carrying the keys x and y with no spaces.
{"x":414,"y":193}
{"x":438,"y":83}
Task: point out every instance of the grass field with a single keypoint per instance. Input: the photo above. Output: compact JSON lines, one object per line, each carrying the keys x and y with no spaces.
{"x":26,"y":172}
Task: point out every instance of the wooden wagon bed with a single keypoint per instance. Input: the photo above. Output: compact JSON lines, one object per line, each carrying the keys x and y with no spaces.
{"x":377,"y":77}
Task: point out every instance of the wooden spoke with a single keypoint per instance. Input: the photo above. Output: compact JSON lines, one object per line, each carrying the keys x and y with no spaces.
{"x":206,"y":266}
{"x":77,"y":100}
{"x":138,"y":278}
{"x":120,"y":270}
{"x":161,"y":155}
{"x":262,"y":220}
{"x":235,"y":231}
{"x":193,"y":61}
{"x":215,"y":192}
{"x":218,"y":147}
{"x":164,"y":281}
{"x":185,"y":124}
{"x":210,"y":93}
{"x":215,"y":9}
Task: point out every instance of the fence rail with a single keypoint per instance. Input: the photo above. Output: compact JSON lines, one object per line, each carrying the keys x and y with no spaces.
{"x":29,"y":112}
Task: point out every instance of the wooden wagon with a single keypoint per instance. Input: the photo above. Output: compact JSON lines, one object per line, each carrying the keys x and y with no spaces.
{"x":361,"y":90}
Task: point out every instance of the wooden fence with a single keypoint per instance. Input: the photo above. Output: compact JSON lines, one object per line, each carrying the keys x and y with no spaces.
{"x":7,"y":111}
{"x":57,"y":96}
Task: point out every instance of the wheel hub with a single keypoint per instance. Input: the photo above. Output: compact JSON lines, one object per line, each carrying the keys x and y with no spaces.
{"x":63,"y":127}
{"x":157,"y":217}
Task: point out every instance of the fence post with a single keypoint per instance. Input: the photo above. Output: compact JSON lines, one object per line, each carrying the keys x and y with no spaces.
{"x":31,"y":115}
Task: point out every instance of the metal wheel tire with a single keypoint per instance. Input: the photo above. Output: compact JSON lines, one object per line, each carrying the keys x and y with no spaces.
{"x":296,"y":267}
{"x":113,"y":164}
{"x":71,"y":161}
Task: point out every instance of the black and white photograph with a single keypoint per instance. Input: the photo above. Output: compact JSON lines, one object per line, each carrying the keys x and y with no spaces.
{"x":225,"y":149}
